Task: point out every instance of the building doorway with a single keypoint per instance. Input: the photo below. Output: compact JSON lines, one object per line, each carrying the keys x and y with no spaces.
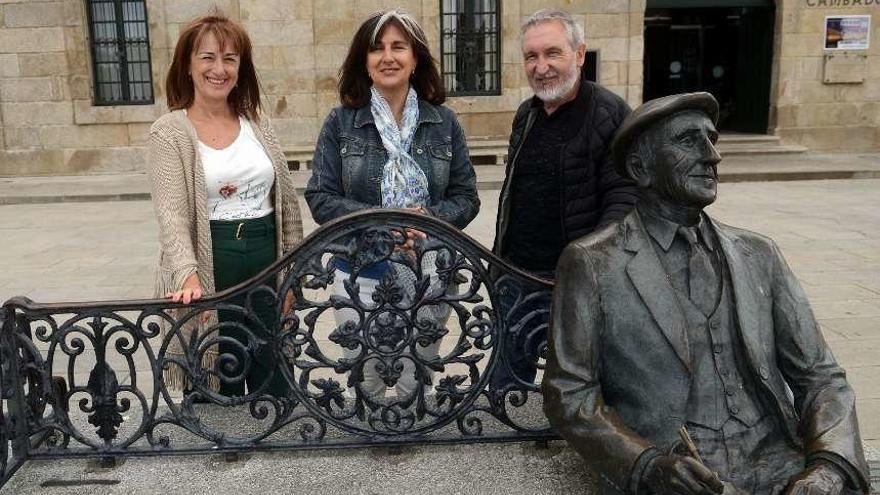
{"x":725,"y":49}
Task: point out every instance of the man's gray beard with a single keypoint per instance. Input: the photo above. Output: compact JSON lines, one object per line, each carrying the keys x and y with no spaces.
{"x":559,"y":92}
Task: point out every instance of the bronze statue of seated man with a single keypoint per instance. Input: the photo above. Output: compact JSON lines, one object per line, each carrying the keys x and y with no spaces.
{"x":684,"y":356}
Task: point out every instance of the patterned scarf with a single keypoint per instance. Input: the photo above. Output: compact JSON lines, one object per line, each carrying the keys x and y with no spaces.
{"x":404,"y":184}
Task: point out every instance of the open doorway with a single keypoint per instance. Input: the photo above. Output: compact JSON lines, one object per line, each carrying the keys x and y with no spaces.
{"x":725,"y":50}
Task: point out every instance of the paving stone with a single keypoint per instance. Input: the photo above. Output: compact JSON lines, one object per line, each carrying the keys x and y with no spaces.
{"x":102,"y":250}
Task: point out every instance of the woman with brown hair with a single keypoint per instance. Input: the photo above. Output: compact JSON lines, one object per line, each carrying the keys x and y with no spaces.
{"x":392,"y":145}
{"x":224,"y":201}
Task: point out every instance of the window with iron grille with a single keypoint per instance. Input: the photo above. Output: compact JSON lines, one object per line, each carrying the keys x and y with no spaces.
{"x":120,"y":46}
{"x":470,"y":46}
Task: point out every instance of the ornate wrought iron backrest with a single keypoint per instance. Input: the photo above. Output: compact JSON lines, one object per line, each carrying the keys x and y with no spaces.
{"x":411,"y":355}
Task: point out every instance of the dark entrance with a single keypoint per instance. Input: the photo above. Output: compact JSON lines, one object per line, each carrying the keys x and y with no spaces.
{"x":725,"y":49}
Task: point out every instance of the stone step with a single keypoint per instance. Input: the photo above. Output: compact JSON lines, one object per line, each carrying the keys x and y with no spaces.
{"x":518,"y":468}
{"x":728,"y":149}
{"x":483,"y":152}
{"x":736,"y":137}
{"x":511,"y":469}
{"x":734,"y":168}
{"x":733,"y":143}
{"x":486,"y":151}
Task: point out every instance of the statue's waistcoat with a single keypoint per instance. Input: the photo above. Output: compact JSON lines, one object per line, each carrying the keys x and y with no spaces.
{"x":721,"y":387}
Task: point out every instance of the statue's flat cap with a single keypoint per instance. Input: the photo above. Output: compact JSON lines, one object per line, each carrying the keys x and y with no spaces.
{"x":652,"y":112}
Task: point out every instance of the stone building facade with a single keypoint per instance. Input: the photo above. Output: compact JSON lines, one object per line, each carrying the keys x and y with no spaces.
{"x":50,"y":124}
{"x":841,"y":113}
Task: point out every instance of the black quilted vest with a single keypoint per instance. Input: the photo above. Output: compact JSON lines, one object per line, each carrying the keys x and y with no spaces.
{"x":593,"y":194}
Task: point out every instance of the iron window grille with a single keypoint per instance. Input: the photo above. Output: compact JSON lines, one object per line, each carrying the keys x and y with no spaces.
{"x":120,"y":47}
{"x":470,"y":47}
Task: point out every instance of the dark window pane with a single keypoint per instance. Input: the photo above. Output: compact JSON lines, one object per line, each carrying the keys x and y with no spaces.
{"x":470,"y":46}
{"x":120,"y":48}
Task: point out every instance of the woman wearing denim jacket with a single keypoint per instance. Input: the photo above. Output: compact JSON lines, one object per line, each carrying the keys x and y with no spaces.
{"x":391,"y":145}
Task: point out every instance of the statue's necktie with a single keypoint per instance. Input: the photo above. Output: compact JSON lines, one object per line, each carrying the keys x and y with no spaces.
{"x":702,"y":279}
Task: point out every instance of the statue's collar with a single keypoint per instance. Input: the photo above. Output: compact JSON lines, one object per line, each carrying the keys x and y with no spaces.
{"x":663,"y":230}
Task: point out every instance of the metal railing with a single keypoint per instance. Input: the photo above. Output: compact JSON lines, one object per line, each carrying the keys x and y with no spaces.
{"x":417,"y":355}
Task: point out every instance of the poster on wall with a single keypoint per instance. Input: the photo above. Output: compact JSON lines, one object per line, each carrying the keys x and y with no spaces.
{"x":847,"y":32}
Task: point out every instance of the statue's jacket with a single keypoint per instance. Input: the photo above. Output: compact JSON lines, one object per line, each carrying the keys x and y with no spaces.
{"x":618,"y":375}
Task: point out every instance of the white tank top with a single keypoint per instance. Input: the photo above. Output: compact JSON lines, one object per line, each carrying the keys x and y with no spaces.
{"x":239,"y":178}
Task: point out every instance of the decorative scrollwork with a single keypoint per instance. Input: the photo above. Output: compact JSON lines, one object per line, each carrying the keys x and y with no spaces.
{"x":383,"y":342}
{"x":7,"y":384}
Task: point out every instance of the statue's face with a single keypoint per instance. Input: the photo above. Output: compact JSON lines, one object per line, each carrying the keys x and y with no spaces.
{"x":684,"y":170}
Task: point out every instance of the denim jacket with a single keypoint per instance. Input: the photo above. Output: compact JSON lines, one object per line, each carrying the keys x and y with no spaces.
{"x":349,"y":159}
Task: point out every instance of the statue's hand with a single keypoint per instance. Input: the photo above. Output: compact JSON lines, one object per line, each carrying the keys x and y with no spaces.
{"x":818,"y":479}
{"x":680,"y":474}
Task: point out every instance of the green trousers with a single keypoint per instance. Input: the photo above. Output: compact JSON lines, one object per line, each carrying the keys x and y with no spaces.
{"x":241,"y":250}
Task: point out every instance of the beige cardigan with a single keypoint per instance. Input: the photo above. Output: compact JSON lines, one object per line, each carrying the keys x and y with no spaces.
{"x":180,"y":200}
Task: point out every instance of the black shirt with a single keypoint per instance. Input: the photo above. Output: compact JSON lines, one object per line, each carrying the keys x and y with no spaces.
{"x":535,"y":234}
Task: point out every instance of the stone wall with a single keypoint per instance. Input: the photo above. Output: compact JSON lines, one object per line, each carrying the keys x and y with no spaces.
{"x":48,"y":124}
{"x":808,"y":111}
{"x":613,"y":27}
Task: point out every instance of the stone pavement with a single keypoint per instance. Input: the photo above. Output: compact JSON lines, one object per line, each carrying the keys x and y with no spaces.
{"x":829,"y":231}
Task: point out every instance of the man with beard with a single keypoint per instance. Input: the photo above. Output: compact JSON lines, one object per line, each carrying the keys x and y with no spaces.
{"x":560,"y":183}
